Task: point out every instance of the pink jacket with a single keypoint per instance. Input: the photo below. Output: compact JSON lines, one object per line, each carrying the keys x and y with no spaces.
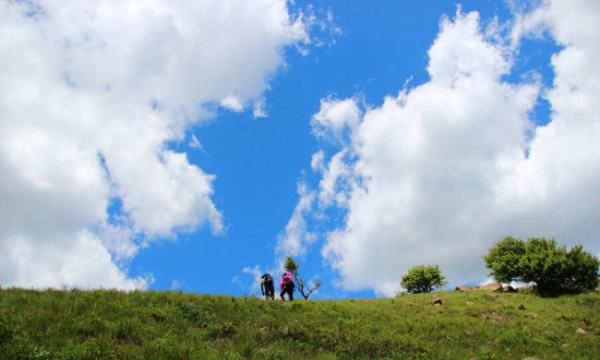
{"x":286,"y":277}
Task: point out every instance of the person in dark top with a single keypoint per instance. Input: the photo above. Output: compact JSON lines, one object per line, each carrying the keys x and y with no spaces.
{"x":267,"y":287}
{"x":287,"y":286}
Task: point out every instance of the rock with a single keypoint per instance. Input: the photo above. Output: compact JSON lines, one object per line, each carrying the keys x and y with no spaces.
{"x":470,"y":303}
{"x":436,"y":302}
{"x":581,"y":331}
{"x":493,"y":286}
{"x":265,"y":330}
{"x":462,"y":288}
{"x":521,"y":307}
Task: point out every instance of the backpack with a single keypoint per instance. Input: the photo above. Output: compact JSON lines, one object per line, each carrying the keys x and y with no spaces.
{"x":287,"y":280}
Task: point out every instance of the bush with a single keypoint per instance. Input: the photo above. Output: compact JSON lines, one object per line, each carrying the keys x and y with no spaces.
{"x":423,"y":279}
{"x":552,"y":268}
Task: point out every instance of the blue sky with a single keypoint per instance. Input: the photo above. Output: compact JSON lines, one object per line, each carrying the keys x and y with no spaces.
{"x":440,"y":126}
{"x":258,"y":161}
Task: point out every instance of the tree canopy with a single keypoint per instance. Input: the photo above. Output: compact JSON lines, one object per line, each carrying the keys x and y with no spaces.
{"x":423,"y":279}
{"x":551,"y":267}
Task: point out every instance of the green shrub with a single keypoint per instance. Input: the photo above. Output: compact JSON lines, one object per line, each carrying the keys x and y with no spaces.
{"x":423,"y":279}
{"x":552,"y":268}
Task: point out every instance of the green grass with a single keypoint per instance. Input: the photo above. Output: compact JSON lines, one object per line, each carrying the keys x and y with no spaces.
{"x":171,"y":325}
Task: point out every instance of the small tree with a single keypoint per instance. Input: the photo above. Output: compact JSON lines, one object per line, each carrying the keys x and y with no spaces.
{"x":504,"y":259}
{"x":291,"y":265}
{"x":303,"y":287}
{"x":552,"y":268}
{"x":423,"y":279}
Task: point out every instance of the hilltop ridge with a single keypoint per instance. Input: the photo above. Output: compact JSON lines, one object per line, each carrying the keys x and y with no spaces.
{"x":106,"y":324}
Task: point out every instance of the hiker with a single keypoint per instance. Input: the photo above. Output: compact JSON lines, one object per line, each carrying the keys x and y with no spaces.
{"x":287,"y":286}
{"x":267,"y":287}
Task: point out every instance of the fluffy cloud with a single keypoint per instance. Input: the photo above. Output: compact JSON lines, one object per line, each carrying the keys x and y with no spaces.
{"x":438,"y":173}
{"x":336,"y":118}
{"x":295,"y":238}
{"x":554,"y":188}
{"x":91,"y":95}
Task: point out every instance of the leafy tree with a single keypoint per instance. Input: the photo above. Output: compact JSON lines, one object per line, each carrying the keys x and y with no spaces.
{"x":552,"y":268}
{"x":544,"y":264}
{"x":305,"y":288}
{"x":423,"y":279}
{"x":504,"y":259}
{"x":291,"y":265}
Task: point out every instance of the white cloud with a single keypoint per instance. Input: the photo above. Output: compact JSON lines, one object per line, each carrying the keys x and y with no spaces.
{"x":194,"y":143}
{"x":232,"y":103}
{"x":91,"y":95}
{"x":337,"y":177}
{"x":295,"y":238}
{"x":335,"y":118}
{"x":316,"y":162}
{"x":80,"y":262}
{"x":438,"y":173}
{"x":323,"y":20}
{"x":554,"y":189}
{"x":258,"y":109}
{"x":460,"y":52}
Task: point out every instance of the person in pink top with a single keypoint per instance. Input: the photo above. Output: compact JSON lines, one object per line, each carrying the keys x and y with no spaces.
{"x":287,"y":286}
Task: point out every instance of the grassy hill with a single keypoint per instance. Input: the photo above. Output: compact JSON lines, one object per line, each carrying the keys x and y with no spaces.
{"x":171,"y":325}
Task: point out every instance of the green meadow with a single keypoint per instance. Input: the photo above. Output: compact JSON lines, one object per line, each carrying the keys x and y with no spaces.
{"x":106,"y":324}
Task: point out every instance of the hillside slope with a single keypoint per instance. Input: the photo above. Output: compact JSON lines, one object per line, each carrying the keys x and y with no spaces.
{"x":171,"y":325}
